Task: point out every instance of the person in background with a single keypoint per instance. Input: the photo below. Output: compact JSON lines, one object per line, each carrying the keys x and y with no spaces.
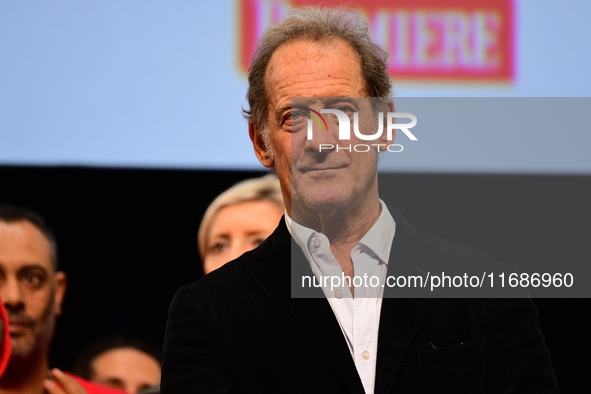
{"x":32,"y":290}
{"x":128,"y":365}
{"x":239,"y":220}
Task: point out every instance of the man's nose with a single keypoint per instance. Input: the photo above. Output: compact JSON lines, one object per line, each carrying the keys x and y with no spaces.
{"x":323,"y":140}
{"x":12,"y":295}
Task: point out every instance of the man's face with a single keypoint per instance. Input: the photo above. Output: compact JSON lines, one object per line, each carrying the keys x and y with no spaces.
{"x":311,"y":179}
{"x":127,"y":369}
{"x":31,"y":292}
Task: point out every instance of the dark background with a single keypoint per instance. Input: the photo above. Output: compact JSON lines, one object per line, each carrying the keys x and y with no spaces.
{"x":127,"y":241}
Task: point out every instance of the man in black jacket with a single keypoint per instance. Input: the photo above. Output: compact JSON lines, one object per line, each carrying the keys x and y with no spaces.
{"x":240,"y":330}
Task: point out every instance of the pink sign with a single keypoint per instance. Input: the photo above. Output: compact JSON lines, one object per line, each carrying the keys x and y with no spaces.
{"x":452,"y":40}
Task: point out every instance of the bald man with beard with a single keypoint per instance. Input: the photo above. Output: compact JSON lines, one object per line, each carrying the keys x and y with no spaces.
{"x":32,"y":290}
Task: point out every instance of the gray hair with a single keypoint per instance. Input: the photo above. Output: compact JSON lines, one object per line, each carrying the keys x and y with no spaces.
{"x":315,"y":24}
{"x":265,"y":188}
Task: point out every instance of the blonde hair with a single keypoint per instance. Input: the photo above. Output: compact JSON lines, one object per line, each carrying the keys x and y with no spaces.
{"x":265,"y":188}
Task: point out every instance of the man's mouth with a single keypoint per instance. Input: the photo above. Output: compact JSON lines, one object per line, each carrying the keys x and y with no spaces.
{"x":321,"y":168}
{"x":18,"y":326}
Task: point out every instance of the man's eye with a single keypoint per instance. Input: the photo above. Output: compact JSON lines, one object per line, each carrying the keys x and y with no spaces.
{"x":297,"y":120}
{"x":295,"y":117}
{"x":33,"y":280}
{"x":345,"y":108}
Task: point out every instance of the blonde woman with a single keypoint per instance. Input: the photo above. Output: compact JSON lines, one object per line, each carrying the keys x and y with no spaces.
{"x":238,"y":220}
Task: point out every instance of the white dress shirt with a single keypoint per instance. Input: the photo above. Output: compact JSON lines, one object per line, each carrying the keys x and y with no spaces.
{"x":359,"y":316}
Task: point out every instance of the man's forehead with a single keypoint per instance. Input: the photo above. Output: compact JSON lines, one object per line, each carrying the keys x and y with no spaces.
{"x":324,"y":102}
{"x":22,"y":243}
{"x":313,"y":69}
{"x":306,"y":61}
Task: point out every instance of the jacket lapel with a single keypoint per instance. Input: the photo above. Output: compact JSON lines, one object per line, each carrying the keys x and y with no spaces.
{"x":400,"y":318}
{"x":276,"y":259}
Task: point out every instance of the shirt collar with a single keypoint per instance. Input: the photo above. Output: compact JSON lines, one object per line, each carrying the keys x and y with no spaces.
{"x":378,"y":239}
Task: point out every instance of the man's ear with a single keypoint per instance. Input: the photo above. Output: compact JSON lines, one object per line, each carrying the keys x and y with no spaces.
{"x":384,"y":136}
{"x":260,"y":148}
{"x":61,"y":282}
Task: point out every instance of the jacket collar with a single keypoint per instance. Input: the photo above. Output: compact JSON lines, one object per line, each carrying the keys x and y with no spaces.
{"x":400,"y":317}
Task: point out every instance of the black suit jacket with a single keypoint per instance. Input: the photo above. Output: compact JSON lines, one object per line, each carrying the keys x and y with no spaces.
{"x":238,"y":330}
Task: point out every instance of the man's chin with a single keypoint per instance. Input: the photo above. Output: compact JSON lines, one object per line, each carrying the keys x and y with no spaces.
{"x":324,"y":202}
{"x":22,"y":346}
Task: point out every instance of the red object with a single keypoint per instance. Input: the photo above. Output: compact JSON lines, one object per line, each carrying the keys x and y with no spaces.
{"x":432,"y":40}
{"x":5,"y":348}
{"x":93,"y":388}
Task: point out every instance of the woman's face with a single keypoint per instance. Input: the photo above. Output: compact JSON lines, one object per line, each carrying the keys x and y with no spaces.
{"x":237,"y":229}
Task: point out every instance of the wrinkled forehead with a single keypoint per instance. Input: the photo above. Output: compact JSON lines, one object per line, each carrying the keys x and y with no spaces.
{"x":313,"y":69}
{"x":324,"y":102}
{"x":305,"y":51}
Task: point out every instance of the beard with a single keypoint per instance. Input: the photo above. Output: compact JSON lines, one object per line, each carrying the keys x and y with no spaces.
{"x":34,"y":340}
